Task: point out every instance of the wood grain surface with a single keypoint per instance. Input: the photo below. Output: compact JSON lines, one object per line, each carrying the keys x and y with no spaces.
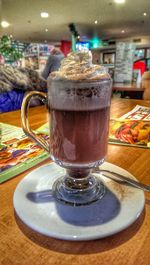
{"x":19,"y":245}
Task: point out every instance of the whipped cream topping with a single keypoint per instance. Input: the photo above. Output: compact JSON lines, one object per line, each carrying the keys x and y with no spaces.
{"x":78,"y":66}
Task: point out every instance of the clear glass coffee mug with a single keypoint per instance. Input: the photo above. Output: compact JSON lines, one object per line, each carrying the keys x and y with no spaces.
{"x":78,"y":121}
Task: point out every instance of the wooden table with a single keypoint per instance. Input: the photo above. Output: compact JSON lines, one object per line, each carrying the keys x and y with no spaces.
{"x":19,"y":245}
{"x":127,"y":87}
{"x":133,"y":90}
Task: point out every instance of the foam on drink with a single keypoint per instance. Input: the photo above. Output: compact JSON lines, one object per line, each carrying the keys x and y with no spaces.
{"x":78,"y":84}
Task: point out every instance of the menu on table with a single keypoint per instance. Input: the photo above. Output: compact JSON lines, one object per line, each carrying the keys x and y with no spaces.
{"x":131,"y":129}
{"x":17,"y":152}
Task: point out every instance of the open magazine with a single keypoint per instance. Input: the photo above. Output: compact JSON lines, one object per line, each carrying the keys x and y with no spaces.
{"x":17,"y":152}
{"x":131,"y":129}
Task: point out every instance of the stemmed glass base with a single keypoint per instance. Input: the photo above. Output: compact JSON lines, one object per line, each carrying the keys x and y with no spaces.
{"x":78,"y":188}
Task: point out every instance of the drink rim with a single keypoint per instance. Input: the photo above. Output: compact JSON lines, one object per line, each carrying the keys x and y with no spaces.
{"x":81,"y":81}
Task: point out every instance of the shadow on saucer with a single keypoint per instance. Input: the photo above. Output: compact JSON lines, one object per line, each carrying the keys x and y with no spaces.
{"x":97,"y":213}
{"x":40,"y":196}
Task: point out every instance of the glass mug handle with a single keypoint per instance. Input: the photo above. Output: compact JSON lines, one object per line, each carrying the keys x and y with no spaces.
{"x":24,"y":117}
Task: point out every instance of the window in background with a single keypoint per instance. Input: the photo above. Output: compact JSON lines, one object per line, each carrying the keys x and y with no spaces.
{"x":139,"y":54}
{"x":108,"y":58}
{"x":148,"y":53}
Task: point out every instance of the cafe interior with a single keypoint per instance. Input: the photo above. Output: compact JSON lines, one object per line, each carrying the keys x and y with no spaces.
{"x":74,"y":132}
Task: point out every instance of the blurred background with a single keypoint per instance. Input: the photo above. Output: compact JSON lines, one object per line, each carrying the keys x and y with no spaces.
{"x":35,"y":26}
{"x":117,"y":32}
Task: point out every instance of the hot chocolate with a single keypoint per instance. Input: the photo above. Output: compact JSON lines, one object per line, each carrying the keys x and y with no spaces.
{"x":79,"y":100}
{"x":79,"y":137}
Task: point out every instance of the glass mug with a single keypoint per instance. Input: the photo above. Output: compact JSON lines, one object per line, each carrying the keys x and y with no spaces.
{"x":78,"y":123}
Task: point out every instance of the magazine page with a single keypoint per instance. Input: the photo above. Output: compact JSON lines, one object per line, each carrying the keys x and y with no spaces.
{"x":138,"y":113}
{"x":17,"y":152}
{"x":130,"y":132}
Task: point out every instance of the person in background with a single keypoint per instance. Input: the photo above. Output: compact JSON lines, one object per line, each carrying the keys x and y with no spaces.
{"x":146,"y":85}
{"x":53,"y":62}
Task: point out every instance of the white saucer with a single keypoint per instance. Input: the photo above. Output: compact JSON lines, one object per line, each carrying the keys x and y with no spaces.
{"x":34,"y":205}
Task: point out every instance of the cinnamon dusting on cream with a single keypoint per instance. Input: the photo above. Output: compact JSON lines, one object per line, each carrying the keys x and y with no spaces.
{"x":78,"y":66}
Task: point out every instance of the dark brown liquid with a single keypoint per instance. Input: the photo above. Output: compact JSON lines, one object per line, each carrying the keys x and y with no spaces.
{"x":79,"y":136}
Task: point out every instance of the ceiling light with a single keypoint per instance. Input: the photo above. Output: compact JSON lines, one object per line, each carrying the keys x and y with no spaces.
{"x":145,"y":14}
{"x":5,"y":24}
{"x":119,"y":1}
{"x":46,"y":30}
{"x":95,"y":21}
{"x":44,"y":14}
{"x":122,"y":31}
